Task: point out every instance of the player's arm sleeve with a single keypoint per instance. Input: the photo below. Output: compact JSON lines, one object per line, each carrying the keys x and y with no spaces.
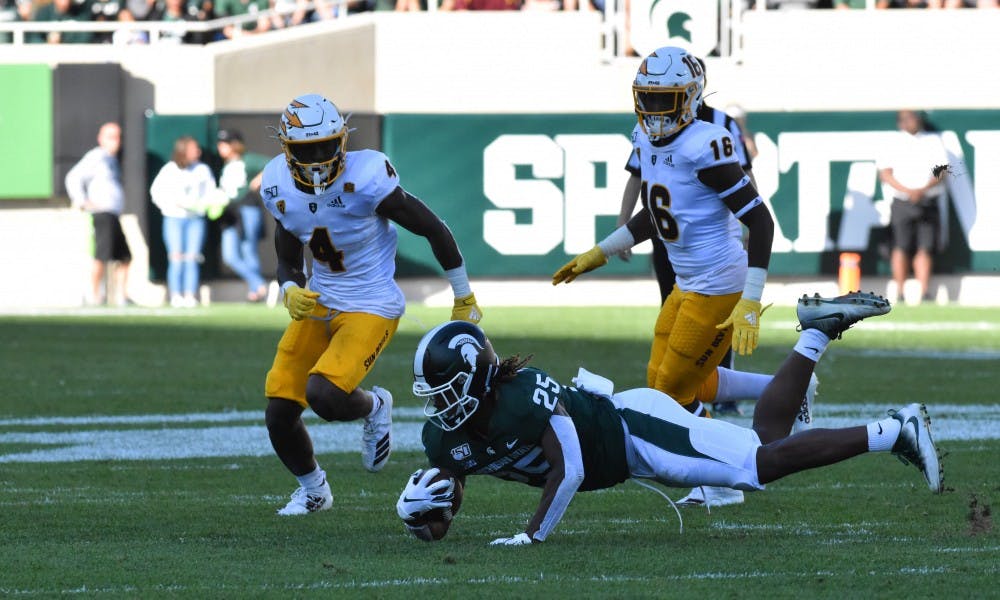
{"x":739,"y":194}
{"x":561,"y":447}
{"x":641,"y":226}
{"x":413,"y":215}
{"x":290,"y":253}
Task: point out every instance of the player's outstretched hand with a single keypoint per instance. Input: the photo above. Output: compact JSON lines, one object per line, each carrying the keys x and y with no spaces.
{"x":588,"y":261}
{"x":520,"y":539}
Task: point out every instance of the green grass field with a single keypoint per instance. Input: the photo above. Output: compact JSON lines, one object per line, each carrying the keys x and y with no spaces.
{"x":134,"y":462}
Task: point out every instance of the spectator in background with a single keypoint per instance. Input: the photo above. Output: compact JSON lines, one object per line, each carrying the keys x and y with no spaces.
{"x":94,"y":184}
{"x":243,"y":220}
{"x":299,"y":14}
{"x":9,"y":13}
{"x":324,"y":10}
{"x":124,"y":37}
{"x":60,"y":10}
{"x":481,"y":4}
{"x":141,"y":9}
{"x":849,"y":4}
{"x":103,"y":11}
{"x":201,"y":11}
{"x":176,"y":11}
{"x":232,"y":8}
{"x":182,"y":190}
{"x":359,"y":6}
{"x":909,"y":177}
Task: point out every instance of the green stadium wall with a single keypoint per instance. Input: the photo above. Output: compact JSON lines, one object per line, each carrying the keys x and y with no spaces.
{"x":26,"y":116}
{"x":525,"y":193}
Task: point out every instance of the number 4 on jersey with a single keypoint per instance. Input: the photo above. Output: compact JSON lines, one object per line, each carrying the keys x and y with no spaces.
{"x":324,"y":251}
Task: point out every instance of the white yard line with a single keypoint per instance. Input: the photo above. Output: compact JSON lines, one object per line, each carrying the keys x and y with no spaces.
{"x":246,"y":436}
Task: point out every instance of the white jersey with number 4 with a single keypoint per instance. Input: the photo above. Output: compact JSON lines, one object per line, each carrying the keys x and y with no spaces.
{"x":353,"y":248}
{"x":703,"y":238}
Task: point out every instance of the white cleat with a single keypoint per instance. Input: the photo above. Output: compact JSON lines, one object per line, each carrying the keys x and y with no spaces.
{"x":376,"y":440}
{"x":915,"y":446}
{"x":834,"y":316}
{"x":803,"y":419}
{"x":711,"y":496}
{"x":305,"y":501}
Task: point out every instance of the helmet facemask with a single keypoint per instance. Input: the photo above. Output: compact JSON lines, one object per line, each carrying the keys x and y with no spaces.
{"x":316,"y":163}
{"x":663,"y":111}
{"x":449,"y":404}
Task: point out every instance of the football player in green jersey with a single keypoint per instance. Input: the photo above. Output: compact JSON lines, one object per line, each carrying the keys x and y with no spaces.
{"x":488,"y":416}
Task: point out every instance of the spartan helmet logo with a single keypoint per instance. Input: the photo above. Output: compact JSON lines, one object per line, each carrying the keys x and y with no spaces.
{"x":468,"y":347}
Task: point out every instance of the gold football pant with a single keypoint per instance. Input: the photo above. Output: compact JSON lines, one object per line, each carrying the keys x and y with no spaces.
{"x":686,"y":345}
{"x":341,"y":347}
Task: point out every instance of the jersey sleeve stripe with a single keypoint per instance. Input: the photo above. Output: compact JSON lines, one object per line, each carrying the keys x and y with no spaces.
{"x":748,"y":207}
{"x":735,"y":188}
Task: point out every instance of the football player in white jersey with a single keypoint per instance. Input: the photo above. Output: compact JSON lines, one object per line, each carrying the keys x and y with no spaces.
{"x":665,"y":276}
{"x":341,"y":205}
{"x":694,"y":196}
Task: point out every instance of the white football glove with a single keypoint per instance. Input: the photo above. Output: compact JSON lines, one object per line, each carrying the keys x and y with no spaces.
{"x":520,"y":539}
{"x":418,"y":497}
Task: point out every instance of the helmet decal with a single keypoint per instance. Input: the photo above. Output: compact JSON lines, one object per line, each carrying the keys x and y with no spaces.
{"x":468,"y":348}
{"x":292,"y":118}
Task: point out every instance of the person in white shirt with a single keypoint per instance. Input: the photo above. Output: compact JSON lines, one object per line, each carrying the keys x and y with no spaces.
{"x":95,"y":185}
{"x":182,"y":190}
{"x":910,"y":178}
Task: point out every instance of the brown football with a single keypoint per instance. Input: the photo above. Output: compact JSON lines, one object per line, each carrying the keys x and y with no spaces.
{"x":437,"y":521}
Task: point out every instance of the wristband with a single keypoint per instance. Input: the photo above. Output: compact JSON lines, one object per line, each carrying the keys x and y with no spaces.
{"x":753,"y":289}
{"x":459,"y":280}
{"x":619,"y":240}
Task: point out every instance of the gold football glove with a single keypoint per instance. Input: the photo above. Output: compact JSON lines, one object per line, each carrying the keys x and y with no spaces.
{"x":466,"y":309}
{"x":745,"y":320}
{"x":299,"y":302}
{"x":588,"y":261}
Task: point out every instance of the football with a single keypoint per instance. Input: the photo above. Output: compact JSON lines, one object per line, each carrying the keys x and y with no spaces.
{"x":433,"y":525}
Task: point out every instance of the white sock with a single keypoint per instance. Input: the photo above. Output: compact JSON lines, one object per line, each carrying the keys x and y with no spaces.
{"x":740,"y":385}
{"x":882,"y":435}
{"x":376,"y":404}
{"x":313,"y":480}
{"x":812,"y":343}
